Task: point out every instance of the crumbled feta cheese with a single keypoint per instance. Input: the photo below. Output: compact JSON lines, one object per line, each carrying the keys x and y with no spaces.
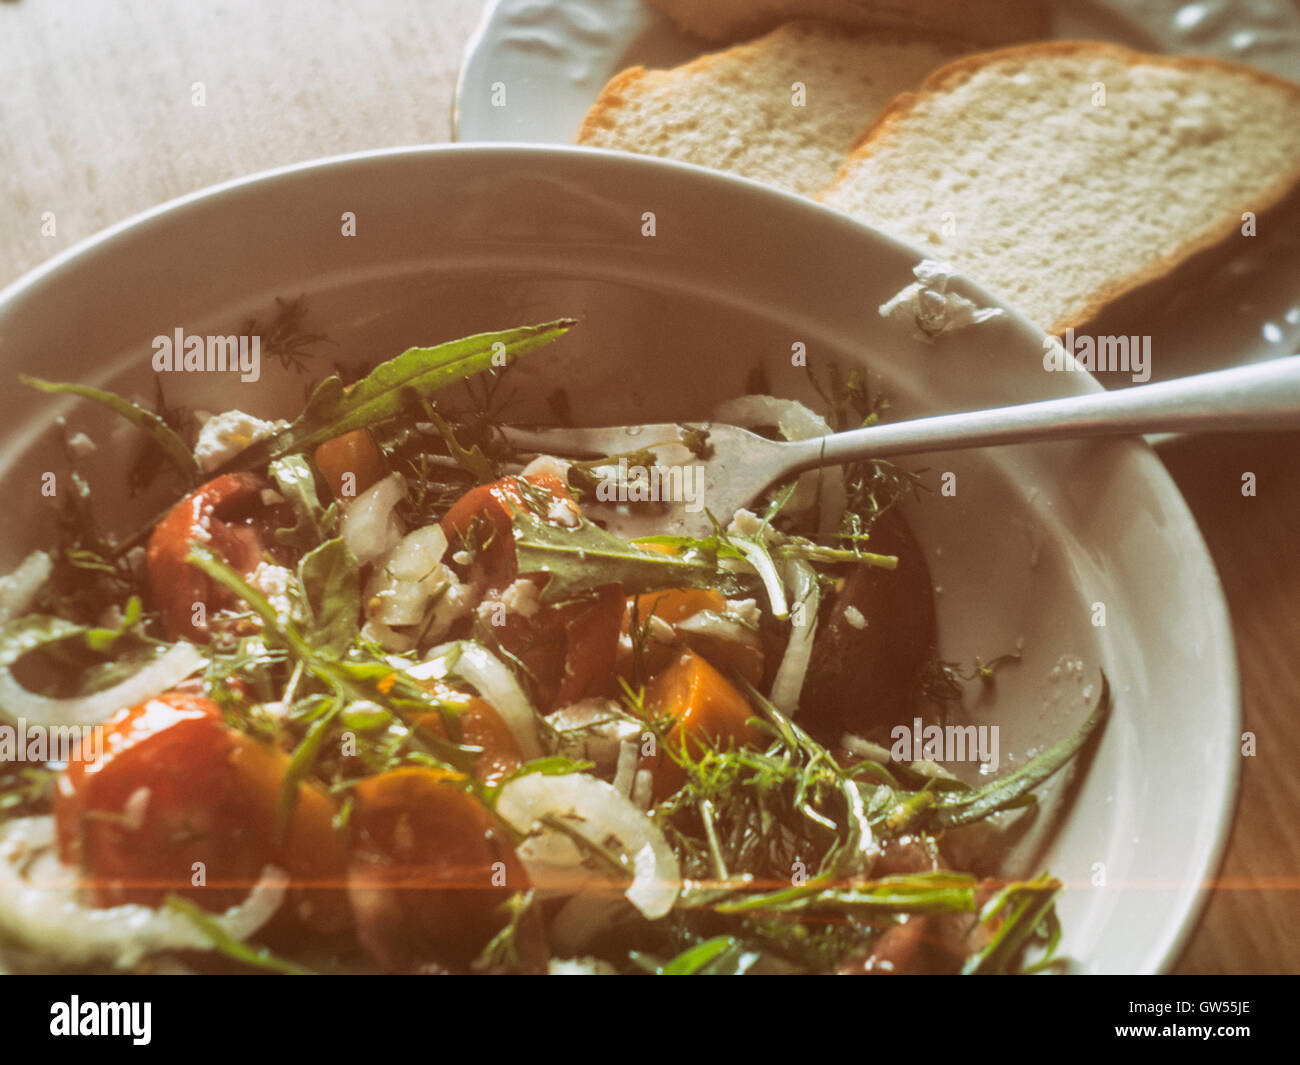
{"x":277,"y":584}
{"x":747,"y":523}
{"x":563,"y":512}
{"x":930,"y":308}
{"x":226,"y":435}
{"x":81,"y":445}
{"x":746,"y":611}
{"x":202,"y":531}
{"x":744,"y":523}
{"x":547,"y":466}
{"x":523,"y":598}
{"x":580,"y":967}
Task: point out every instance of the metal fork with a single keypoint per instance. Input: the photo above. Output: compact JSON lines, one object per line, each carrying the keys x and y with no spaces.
{"x":736,"y":465}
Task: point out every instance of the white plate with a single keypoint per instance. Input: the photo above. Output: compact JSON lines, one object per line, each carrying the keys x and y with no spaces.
{"x":460,"y":239}
{"x":553,"y":57}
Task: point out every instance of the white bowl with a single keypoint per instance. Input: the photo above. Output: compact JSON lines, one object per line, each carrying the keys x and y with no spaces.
{"x":458,"y":239}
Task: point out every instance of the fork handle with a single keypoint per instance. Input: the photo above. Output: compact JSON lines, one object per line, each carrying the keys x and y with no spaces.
{"x":1263,"y":395}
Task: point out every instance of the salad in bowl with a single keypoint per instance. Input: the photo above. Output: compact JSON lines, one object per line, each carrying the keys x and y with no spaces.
{"x":379,"y":691}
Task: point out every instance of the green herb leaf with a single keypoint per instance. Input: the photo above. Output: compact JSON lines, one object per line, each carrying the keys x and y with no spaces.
{"x":285,"y":631}
{"x":331,"y":583}
{"x":953,"y":808}
{"x":73,"y":656}
{"x":1017,"y":913}
{"x":297,"y":483}
{"x":102,"y":639}
{"x":378,"y":396}
{"x":171,"y":444}
{"x":223,"y":941}
{"x":583,"y":557}
{"x":928,"y":892}
{"x":471,"y":459}
{"x":373,"y":680}
{"x":555,"y":765}
{"x":502,"y":953}
{"x":712,"y":957}
{"x":300,"y":765}
{"x":33,"y":631}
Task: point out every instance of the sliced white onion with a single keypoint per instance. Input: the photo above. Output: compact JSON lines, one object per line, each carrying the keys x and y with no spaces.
{"x":39,"y":907}
{"x":417,"y":554}
{"x":791,"y":418}
{"x":788,"y":684}
{"x":629,"y":754}
{"x":158,"y":676}
{"x":476,"y":665}
{"x":408,"y":578}
{"x":19,"y":588}
{"x":762,"y":563}
{"x":595,"y":810}
{"x":388,"y":639}
{"x":794,"y":421}
{"x":594,"y":730}
{"x":370,"y":526}
{"x":720,"y":626}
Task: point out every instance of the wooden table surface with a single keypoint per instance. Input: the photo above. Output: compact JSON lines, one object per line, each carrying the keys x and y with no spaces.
{"x":97,"y":123}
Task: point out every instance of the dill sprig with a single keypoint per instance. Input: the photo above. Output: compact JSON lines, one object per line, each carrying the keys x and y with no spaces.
{"x":285,"y":336}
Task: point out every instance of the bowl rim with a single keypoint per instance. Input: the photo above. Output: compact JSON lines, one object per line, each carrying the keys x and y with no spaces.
{"x":1166,"y":954}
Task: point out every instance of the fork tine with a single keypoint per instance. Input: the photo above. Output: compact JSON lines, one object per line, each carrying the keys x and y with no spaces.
{"x":592,"y":443}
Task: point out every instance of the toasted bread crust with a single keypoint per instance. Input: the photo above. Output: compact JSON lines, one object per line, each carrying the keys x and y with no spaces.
{"x":626,"y":83}
{"x":960,"y":70}
{"x":624,"y":86}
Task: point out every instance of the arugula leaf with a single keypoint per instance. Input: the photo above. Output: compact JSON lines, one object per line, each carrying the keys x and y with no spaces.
{"x":73,"y":655}
{"x":102,"y":639}
{"x":331,"y":584}
{"x":166,"y":438}
{"x":502,"y":951}
{"x":712,"y":957}
{"x":926,"y":892}
{"x":555,"y":765}
{"x":373,"y":680}
{"x":303,"y":760}
{"x":332,"y":411}
{"x":579,"y":558}
{"x":297,"y":483}
{"x":225,"y":943}
{"x":953,"y":808}
{"x":471,"y":459}
{"x":1017,"y":913}
{"x":31,"y":632}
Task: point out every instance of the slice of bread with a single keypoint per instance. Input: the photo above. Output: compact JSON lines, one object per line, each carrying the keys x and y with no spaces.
{"x":726,"y":21}
{"x":1063,"y":175}
{"x":785,"y":109}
